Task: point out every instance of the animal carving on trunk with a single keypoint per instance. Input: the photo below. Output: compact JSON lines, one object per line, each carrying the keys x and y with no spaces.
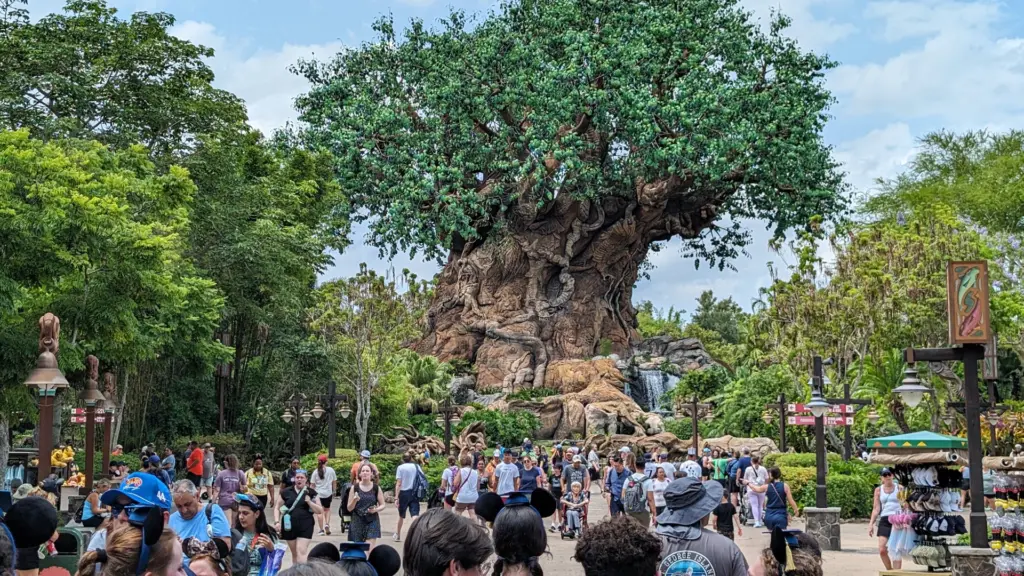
{"x":49,"y":334}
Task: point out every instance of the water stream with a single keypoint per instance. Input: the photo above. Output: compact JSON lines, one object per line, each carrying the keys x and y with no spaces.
{"x":648,"y":388}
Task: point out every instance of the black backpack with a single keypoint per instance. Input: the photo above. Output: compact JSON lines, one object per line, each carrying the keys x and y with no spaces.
{"x":239,"y":556}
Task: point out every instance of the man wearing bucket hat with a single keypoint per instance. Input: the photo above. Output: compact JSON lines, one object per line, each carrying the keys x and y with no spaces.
{"x":688,"y":548}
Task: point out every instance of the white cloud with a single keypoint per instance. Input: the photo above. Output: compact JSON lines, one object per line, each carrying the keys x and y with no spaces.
{"x":262,"y":77}
{"x":813,"y":32}
{"x":962,"y":74}
{"x":880,"y":153}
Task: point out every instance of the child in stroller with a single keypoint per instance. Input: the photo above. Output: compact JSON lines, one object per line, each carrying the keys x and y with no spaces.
{"x":575,"y":504}
{"x":343,"y":511}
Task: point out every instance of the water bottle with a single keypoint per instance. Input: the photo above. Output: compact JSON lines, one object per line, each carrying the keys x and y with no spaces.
{"x":286,"y":522}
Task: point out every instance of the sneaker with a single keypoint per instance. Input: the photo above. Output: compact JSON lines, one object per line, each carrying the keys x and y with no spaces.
{"x":758,"y":525}
{"x":395,"y":537}
{"x":321,"y":532}
{"x":328,"y":530}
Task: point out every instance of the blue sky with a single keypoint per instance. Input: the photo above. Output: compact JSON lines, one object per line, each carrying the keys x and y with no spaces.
{"x":906,"y":68}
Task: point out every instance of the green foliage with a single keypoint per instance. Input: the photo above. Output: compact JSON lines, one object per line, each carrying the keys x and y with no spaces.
{"x":704,"y":383}
{"x":853,"y":494}
{"x":428,"y":380}
{"x":722,"y":316}
{"x":85,"y":73}
{"x":738,"y":409}
{"x":426,"y":426}
{"x":490,"y":390}
{"x":797,"y":460}
{"x":224,"y":443}
{"x":683,"y":428}
{"x":652,"y":322}
{"x":505,"y":428}
{"x":132,"y":461}
{"x":604,"y":347}
{"x":387,"y":464}
{"x":435,"y":160}
{"x":532,"y":394}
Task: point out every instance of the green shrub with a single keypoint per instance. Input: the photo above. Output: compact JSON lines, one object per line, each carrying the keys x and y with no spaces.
{"x":797,"y":460}
{"x":532,"y":394}
{"x":797,"y":478}
{"x":224,"y":443}
{"x":853,"y":494}
{"x":604,"y":347}
{"x":505,"y":428}
{"x":490,"y":390}
{"x":131,"y":460}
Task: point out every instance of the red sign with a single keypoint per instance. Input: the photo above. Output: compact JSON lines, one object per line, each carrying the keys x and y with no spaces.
{"x":830,"y":421}
{"x":81,"y":419}
{"x":833,"y":409}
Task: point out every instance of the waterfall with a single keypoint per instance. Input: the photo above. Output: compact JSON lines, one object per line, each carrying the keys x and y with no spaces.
{"x":649,"y":387}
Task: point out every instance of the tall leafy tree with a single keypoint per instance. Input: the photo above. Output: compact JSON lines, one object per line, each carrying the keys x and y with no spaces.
{"x":722,"y":316}
{"x":544,"y":149}
{"x":364,"y":322}
{"x":85,"y":73}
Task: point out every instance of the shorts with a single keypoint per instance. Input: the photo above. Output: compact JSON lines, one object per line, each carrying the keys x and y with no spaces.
{"x":615,"y":508}
{"x":557,"y":493}
{"x":305,"y":530}
{"x":326,"y":502}
{"x":725,"y":484}
{"x":263,"y":500}
{"x":407,"y":501}
{"x":884,"y":527}
{"x":728,"y":534}
{"x":450,"y":500}
{"x":195,"y":479}
{"x":776,"y":519}
{"x":659,"y":509}
{"x":965,"y":484}
{"x":734,"y":487}
{"x":208,"y":482}
{"x":463,"y":506}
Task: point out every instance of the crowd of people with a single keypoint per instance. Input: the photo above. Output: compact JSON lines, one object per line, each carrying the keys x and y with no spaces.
{"x":490,"y":512}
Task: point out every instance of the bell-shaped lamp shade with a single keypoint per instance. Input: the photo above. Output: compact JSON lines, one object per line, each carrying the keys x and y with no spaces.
{"x":46,"y":376}
{"x":439,"y":420}
{"x":317,"y":410}
{"x":767,"y":417}
{"x":306,"y":415}
{"x":344,"y":410}
{"x":818,"y":406}
{"x":287,"y":416}
{"x":911,"y":390}
{"x":873,"y":416}
{"x":91,"y":396}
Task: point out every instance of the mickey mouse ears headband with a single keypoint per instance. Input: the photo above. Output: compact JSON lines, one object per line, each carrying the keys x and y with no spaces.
{"x":489,"y":505}
{"x":384,"y":559}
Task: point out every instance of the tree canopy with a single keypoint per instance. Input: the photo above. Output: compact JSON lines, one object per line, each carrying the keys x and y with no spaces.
{"x":454,"y":134}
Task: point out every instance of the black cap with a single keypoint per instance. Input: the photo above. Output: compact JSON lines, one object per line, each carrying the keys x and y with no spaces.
{"x":886,"y":472}
{"x":32,"y":521}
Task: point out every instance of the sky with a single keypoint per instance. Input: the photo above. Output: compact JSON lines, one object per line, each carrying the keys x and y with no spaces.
{"x":906,"y":68}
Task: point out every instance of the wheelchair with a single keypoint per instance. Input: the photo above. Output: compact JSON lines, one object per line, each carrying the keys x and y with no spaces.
{"x":567,"y":534}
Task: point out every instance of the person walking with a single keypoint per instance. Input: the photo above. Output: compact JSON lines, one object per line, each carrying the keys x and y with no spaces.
{"x":887,"y":503}
{"x":260,"y":482}
{"x":196,"y":523}
{"x":778,"y":496}
{"x":687,"y":546}
{"x":756,"y":475}
{"x":325,"y":482}
{"x":257,"y":535}
{"x":405,"y":492}
{"x":445,"y":490}
{"x":659,"y":485}
{"x":531,"y":477}
{"x":169,"y":462}
{"x":229,"y":481}
{"x":613,"y":482}
{"x":720,"y":468}
{"x":194,"y":464}
{"x":506,"y":476}
{"x":299,"y":508}
{"x":209,"y":468}
{"x":638,"y":494}
{"x":465,"y":486}
{"x":364,"y":458}
{"x":288,"y":476}
{"x":365,"y":500}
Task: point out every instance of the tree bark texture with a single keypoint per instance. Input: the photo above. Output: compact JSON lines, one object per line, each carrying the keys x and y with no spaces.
{"x":556,"y":282}
{"x":5,"y":446}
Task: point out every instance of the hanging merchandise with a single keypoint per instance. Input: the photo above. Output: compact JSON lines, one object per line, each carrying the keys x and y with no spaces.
{"x":1006,"y":523}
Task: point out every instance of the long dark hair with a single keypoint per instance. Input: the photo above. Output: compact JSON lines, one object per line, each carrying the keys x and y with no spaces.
{"x":261,"y":527}
{"x":519,"y":538}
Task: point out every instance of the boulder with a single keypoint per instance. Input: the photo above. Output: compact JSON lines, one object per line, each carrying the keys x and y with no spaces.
{"x":549,"y":411}
{"x":758,"y":446}
{"x":569,"y":376}
{"x":600,"y":422}
{"x":573,"y":422}
{"x":664,"y":442}
{"x":499,"y":363}
{"x":463,"y":389}
{"x":686,"y":353}
{"x":653,"y":423}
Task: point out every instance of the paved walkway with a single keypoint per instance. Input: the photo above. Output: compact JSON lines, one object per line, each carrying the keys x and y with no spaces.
{"x":858,"y":558}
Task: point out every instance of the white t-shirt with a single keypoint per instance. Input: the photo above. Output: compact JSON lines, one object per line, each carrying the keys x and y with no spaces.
{"x":324,"y":486}
{"x":670,"y":470}
{"x":447,"y":475}
{"x":757,"y":477}
{"x":506,"y":475}
{"x":659,"y":487}
{"x":406,"y":474}
{"x":469,"y":482}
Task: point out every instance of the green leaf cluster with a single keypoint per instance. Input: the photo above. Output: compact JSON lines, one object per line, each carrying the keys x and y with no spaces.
{"x":507,"y":428}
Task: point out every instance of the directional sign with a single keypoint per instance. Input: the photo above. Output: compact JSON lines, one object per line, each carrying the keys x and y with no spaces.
{"x":81,"y":419}
{"x":833,"y":409}
{"x":830,"y":421}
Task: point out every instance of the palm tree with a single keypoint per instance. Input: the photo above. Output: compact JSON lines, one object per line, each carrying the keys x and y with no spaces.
{"x":879,"y":377}
{"x":428,"y":379}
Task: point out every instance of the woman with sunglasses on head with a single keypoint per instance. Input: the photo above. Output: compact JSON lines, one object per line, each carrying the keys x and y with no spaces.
{"x":299,"y":507}
{"x":251,"y":521}
{"x":365,"y":500}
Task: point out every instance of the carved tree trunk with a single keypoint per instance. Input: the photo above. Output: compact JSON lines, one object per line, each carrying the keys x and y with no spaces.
{"x":556,"y":284}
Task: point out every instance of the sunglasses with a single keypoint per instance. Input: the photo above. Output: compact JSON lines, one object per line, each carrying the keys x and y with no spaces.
{"x":248,"y":500}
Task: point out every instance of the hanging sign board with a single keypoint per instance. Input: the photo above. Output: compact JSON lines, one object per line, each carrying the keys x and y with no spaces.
{"x":967,"y":303}
{"x":829,"y":421}
{"x":833,"y":409}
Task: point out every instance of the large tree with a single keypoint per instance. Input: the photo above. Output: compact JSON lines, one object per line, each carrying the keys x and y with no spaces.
{"x":544,"y":149}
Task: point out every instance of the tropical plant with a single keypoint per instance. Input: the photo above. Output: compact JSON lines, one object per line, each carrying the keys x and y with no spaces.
{"x":428,"y":379}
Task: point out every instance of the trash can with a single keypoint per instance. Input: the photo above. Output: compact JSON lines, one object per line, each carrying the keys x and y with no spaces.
{"x":70,"y":546}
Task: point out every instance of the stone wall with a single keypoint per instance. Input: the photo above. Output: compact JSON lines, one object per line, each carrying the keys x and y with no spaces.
{"x":823,"y":525}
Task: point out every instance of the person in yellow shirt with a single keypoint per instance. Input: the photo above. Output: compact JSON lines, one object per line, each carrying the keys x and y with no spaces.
{"x":260,"y":483}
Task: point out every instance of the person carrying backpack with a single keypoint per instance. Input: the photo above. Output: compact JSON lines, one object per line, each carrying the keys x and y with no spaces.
{"x":638,"y":494}
{"x":410,"y":489}
{"x":196,"y":523}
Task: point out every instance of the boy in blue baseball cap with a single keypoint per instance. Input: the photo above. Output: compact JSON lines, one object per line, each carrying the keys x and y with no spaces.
{"x":139,"y":492}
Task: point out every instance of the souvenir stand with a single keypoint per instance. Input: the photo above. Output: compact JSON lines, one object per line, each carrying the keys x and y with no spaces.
{"x":925,"y":465}
{"x":1006,"y":521}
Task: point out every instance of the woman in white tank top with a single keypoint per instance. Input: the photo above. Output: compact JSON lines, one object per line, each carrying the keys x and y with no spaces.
{"x":464,"y":487}
{"x":887,"y":503}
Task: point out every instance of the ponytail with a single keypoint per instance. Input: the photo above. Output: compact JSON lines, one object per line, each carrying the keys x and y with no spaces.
{"x":532,"y":565}
{"x":87,"y":563}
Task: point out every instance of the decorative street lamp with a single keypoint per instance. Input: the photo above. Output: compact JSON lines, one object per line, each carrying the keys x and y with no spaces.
{"x":91,"y":397}
{"x":819,"y":407}
{"x":447,"y":416}
{"x":873,"y":417}
{"x":767,"y":417}
{"x":296,"y":412}
{"x":949,"y":418}
{"x":331,"y":403}
{"x":911,"y":391}
{"x":47,"y":379}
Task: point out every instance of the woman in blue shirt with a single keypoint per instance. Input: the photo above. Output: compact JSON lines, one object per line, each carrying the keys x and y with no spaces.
{"x":530,"y":477}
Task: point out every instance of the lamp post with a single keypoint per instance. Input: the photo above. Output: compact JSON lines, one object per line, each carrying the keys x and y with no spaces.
{"x":91,"y":396}
{"x":447,"y":416}
{"x":297,"y":410}
{"x":108,"y":423}
{"x":694,"y":407}
{"x":819,"y":407}
{"x":47,"y":379}
{"x":335,"y":404}
{"x":783,"y":409}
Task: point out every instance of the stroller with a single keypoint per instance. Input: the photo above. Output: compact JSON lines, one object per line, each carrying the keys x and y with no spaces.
{"x":566,"y":533}
{"x":343,"y":511}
